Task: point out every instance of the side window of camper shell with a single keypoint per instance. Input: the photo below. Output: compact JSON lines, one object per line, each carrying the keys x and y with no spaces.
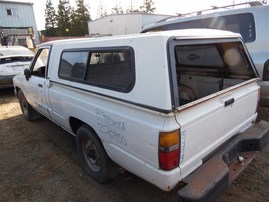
{"x":111,"y":68}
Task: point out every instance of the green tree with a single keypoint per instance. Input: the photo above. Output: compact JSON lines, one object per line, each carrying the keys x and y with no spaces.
{"x":63,"y":18}
{"x":79,"y":19}
{"x":148,"y":7}
{"x":50,"y":19}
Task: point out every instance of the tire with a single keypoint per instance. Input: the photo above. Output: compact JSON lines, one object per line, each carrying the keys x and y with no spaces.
{"x":28,"y":111}
{"x":93,"y":156}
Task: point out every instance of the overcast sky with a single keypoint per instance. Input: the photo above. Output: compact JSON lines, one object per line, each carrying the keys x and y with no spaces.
{"x":170,"y":7}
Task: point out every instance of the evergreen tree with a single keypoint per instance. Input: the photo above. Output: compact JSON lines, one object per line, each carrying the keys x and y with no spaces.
{"x":63,"y":18}
{"x":80,"y":18}
{"x":50,"y":19}
{"x":148,"y":6}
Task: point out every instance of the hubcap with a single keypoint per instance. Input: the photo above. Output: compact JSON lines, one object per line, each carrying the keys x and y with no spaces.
{"x":91,"y":155}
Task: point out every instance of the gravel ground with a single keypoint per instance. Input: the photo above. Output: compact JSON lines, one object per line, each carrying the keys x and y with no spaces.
{"x":39,"y":163}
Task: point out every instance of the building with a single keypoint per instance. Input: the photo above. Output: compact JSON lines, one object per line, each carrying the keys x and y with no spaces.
{"x":119,"y":24}
{"x":17,"y":23}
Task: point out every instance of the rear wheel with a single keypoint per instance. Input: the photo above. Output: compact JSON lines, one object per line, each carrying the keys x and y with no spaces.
{"x":93,"y":156}
{"x":27,"y":110}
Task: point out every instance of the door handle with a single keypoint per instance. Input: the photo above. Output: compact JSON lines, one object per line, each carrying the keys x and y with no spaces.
{"x":40,"y":85}
{"x":228,"y":102}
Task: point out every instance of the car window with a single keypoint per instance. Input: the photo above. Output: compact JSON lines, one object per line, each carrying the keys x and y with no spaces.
{"x":227,"y":59}
{"x":40,"y":64}
{"x":73,"y":64}
{"x":111,"y":68}
{"x":239,"y":23}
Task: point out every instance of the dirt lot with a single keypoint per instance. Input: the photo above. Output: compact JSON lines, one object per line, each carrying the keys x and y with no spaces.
{"x":38,"y":162}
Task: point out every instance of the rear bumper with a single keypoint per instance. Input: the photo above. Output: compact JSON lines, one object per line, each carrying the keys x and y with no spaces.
{"x":212,"y":178}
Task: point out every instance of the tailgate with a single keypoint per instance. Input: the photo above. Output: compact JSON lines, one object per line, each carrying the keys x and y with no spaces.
{"x":210,"y":121}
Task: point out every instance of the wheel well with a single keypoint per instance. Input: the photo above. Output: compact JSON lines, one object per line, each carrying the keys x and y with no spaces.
{"x":16,"y":91}
{"x":75,"y":124}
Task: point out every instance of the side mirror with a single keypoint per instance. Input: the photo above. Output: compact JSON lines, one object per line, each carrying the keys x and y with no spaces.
{"x":27,"y":73}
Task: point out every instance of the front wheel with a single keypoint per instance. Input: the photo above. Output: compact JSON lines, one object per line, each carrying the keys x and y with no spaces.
{"x":93,"y":156}
{"x":28,"y":111}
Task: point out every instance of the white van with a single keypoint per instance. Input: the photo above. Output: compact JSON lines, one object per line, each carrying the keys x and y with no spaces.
{"x":251,"y":22}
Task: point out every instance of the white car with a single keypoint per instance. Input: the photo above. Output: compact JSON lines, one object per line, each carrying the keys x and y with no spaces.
{"x":13,"y":60}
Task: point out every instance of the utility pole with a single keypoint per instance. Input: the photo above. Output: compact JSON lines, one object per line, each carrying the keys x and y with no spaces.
{"x":131,"y":5}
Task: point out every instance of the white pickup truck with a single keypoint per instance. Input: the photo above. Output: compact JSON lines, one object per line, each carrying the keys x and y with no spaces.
{"x":174,"y":108}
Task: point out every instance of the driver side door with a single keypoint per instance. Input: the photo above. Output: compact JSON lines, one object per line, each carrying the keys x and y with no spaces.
{"x":38,"y":83}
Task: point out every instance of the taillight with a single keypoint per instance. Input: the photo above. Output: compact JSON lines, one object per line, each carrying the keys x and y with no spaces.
{"x":169,"y":150}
